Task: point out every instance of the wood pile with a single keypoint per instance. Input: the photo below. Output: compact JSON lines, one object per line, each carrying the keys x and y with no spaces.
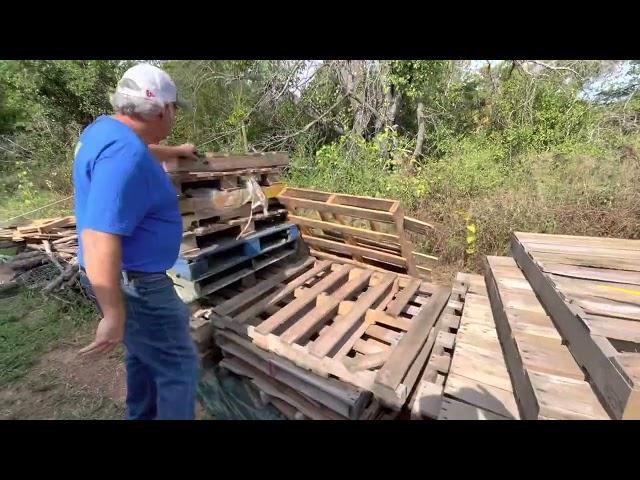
{"x":234,"y":226}
{"x":40,"y":242}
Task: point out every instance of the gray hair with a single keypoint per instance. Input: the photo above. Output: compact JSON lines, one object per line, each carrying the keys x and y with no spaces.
{"x":133,"y":106}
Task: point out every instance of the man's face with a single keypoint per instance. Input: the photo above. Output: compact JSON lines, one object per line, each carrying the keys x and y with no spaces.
{"x":166,"y":121}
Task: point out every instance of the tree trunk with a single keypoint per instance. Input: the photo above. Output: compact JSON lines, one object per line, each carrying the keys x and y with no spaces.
{"x":421,"y":131}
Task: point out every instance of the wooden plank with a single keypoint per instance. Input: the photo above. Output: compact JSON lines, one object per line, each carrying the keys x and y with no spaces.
{"x":321,"y":312}
{"x":615,"y":328}
{"x":369,"y":346}
{"x":582,"y":260}
{"x":405,"y":247}
{"x":217,"y":162}
{"x":261,"y":288}
{"x":366,"y":362}
{"x":371,"y":203}
{"x":351,"y":408}
{"x":401,"y":300}
{"x":613,"y":276}
{"x":327,"y":256}
{"x":487,"y":397}
{"x":391,"y":374}
{"x":357,"y":232}
{"x":274,"y":298}
{"x":356,"y":212}
{"x":417,"y":226}
{"x":277,"y":319}
{"x":342,"y":391}
{"x":383,"y":334}
{"x":395,"y":322}
{"x":455,"y":410}
{"x":428,"y":401}
{"x":279,"y":390}
{"x":578,"y":240}
{"x":425,"y":257}
{"x":343,"y":199}
{"x":354,"y":250}
{"x":340,"y":328}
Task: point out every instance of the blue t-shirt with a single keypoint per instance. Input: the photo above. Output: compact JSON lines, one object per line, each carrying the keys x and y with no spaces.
{"x":121,"y":188}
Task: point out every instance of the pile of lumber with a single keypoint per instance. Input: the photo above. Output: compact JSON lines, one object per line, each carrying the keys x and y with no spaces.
{"x":39,"y":242}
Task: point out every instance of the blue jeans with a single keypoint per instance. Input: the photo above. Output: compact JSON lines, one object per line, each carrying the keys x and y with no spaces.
{"x":161,"y":358}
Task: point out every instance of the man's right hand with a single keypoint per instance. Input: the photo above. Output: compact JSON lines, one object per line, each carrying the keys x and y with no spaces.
{"x":110,"y":333}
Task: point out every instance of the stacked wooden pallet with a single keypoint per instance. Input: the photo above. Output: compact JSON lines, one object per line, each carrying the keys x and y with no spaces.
{"x":365,"y":231}
{"x":233,"y":224}
{"x":353,"y":340}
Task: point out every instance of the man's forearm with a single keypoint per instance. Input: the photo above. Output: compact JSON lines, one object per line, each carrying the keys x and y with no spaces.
{"x":165,"y":153}
{"x":103,"y":263}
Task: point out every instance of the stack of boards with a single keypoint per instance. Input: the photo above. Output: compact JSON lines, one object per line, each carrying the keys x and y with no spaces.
{"x":227,"y":238}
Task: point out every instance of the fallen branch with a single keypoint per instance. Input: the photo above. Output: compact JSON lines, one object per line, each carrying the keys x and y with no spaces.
{"x":54,"y":260}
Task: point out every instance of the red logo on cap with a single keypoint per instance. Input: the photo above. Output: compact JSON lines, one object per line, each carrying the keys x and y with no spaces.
{"x":150,"y":93}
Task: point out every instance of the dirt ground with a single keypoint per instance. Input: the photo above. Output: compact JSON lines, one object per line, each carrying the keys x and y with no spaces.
{"x":63,"y":386}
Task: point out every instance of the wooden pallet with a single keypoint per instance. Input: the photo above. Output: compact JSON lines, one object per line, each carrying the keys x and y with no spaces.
{"x":202,"y":237}
{"x":231,"y":271}
{"x":547,"y":380}
{"x":426,"y":399}
{"x":591,"y":289}
{"x":477,"y":386}
{"x":205,"y":202}
{"x":367,"y":230}
{"x":363,"y":327}
{"x":343,"y":401}
{"x":265,"y":177}
{"x":227,"y":251}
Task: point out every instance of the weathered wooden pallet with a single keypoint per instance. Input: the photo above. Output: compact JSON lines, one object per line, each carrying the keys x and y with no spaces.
{"x":340,"y":398}
{"x":212,"y":202}
{"x":477,"y":386}
{"x":426,"y":400}
{"x":229,"y":272}
{"x":209,"y":234}
{"x":227,"y":251}
{"x":363,"y":327}
{"x":590,"y":287}
{"x":548,"y":382}
{"x":225,"y":180}
{"x":368,"y":230}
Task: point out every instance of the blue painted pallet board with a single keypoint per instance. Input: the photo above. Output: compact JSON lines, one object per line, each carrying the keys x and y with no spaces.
{"x":229,"y":253}
{"x":190,"y":290}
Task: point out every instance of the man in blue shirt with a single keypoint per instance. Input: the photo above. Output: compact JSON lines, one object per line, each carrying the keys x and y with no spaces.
{"x":129,"y":231}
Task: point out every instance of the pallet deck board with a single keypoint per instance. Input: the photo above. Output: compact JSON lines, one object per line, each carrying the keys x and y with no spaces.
{"x":478,"y":385}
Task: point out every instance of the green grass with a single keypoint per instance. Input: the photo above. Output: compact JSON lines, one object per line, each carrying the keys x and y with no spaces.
{"x":32,"y":324}
{"x":22,"y":201}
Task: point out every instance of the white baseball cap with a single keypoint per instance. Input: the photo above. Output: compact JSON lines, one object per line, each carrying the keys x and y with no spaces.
{"x":150,"y":83}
